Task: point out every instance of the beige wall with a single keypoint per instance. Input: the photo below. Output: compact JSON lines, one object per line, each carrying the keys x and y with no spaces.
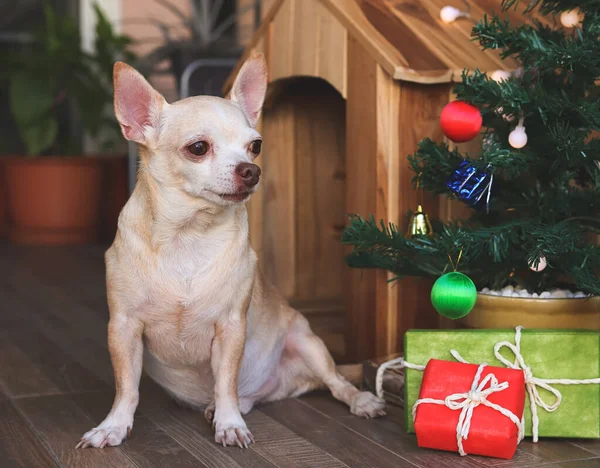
{"x":137,"y":17}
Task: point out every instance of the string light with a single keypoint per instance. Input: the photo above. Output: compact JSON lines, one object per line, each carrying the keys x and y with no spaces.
{"x":571,"y":18}
{"x":518,"y":137}
{"x":449,"y":14}
{"x":500,"y":75}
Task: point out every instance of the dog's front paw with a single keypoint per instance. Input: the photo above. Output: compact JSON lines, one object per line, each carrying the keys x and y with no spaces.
{"x":367,"y":405}
{"x":233,"y":432}
{"x":102,"y":436}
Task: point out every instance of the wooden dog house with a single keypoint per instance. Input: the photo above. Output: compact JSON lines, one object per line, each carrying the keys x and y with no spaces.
{"x":354,"y":85}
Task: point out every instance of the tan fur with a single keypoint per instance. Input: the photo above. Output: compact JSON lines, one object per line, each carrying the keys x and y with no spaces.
{"x":182,"y":278}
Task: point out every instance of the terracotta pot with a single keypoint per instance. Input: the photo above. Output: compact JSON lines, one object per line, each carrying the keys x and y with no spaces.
{"x":54,"y":200}
{"x":508,"y":312}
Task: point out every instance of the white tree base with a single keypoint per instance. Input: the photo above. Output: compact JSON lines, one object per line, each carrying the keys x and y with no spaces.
{"x":510,"y":291}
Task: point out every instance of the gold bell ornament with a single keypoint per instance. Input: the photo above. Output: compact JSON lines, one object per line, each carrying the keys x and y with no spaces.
{"x":419,"y":224}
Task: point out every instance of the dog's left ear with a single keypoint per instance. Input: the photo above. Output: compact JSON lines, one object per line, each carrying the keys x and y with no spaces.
{"x":250,"y":87}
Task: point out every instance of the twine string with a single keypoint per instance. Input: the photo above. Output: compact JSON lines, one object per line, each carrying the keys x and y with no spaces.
{"x":393,"y":364}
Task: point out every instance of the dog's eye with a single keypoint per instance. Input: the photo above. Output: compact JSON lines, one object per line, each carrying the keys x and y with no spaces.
{"x":200,"y":148}
{"x":255,"y":147}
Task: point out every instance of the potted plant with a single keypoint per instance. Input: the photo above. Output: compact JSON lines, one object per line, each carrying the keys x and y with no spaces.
{"x":207,"y":31}
{"x":531,"y":243}
{"x":58,"y":92}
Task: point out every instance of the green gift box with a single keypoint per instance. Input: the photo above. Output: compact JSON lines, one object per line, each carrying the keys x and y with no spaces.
{"x":550,"y":354}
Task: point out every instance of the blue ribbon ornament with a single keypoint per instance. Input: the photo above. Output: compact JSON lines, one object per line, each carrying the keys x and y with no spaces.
{"x":471,"y":185}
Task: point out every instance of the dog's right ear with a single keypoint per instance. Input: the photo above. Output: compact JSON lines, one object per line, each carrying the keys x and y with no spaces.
{"x":137,"y":104}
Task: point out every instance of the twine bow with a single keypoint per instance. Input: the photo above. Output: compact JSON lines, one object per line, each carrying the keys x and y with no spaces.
{"x":532,"y":383}
{"x":467,"y":402}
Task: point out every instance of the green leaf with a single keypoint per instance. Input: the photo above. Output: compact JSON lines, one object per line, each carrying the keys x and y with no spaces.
{"x":41,"y":136}
{"x":31,"y":101}
{"x":30,"y":98}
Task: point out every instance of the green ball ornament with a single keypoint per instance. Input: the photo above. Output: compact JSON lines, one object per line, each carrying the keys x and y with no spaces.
{"x":453,"y":295}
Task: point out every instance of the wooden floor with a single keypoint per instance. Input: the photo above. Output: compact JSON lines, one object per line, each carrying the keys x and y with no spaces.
{"x":56,"y":383}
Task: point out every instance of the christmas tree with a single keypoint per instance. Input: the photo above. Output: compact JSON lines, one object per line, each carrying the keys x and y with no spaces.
{"x":535,"y":186}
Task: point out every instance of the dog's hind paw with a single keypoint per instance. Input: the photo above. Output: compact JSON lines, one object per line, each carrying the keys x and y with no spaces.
{"x":101,"y":437}
{"x":209,"y":412}
{"x":367,"y":405}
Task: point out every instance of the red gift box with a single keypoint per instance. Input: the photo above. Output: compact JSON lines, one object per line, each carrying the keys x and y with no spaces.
{"x":489,"y":432}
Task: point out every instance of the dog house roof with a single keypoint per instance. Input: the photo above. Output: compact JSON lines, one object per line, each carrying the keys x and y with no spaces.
{"x":407,"y":37}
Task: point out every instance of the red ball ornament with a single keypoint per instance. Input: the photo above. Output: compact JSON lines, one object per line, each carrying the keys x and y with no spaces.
{"x":460,"y":121}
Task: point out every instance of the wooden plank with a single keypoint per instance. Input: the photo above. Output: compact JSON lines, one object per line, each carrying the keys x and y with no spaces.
{"x":281,"y":47}
{"x":306,"y":39}
{"x":284,"y":447}
{"x":333,"y":50}
{"x":361,"y":183}
{"x":59,"y":424}
{"x":319,"y":145}
{"x":453,"y":50}
{"x":387,"y":205}
{"x":19,"y":375}
{"x":279,"y":235}
{"x":72,"y":341}
{"x":389,"y":432}
{"x":328,"y":129}
{"x":351,"y":17}
{"x":306,"y":150}
{"x":68,"y":375}
{"x":589,"y":445}
{"x":193,"y":432}
{"x":402,"y":38}
{"x":19,"y":446}
{"x":589,"y":463}
{"x":148,"y":445}
{"x":256,"y":204}
{"x":340,"y":442}
{"x":57,"y":303}
{"x":420,"y":107}
{"x":461,"y":30}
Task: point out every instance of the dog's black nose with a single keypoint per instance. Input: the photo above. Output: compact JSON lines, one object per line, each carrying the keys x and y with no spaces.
{"x":249,"y":173}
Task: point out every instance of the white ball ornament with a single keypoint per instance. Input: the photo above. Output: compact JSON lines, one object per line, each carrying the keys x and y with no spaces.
{"x":500,"y":75}
{"x":571,"y":18}
{"x":518,"y":138}
{"x":540,"y":266}
{"x":449,"y":14}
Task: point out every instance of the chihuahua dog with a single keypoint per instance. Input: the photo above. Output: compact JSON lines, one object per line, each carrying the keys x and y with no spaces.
{"x":185,"y":295}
